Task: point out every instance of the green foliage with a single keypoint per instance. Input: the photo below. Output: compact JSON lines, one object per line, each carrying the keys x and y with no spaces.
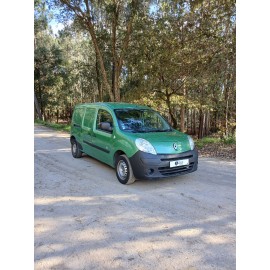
{"x":229,"y":140}
{"x":200,"y":143}
{"x":62,"y":127}
{"x":206,"y":140}
{"x":180,"y":60}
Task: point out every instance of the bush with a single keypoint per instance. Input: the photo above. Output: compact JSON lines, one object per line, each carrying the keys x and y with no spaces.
{"x":229,"y":140}
{"x":214,"y":140}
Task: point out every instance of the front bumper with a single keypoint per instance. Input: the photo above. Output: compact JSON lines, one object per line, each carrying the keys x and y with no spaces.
{"x":148,"y":166}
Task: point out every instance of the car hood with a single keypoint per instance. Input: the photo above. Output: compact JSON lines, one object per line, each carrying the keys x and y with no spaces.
{"x":163,"y":142}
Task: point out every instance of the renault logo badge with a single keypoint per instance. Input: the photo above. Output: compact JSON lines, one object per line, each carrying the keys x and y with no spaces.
{"x":175,"y":146}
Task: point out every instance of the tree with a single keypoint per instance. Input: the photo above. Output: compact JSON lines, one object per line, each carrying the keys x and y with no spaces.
{"x":187,"y":57}
{"x":175,"y":56}
{"x":104,"y":19}
{"x":47,"y":63}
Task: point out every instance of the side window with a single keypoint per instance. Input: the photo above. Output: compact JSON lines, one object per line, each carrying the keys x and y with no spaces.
{"x":78,"y":116}
{"x":104,"y":121}
{"x":89,"y":117}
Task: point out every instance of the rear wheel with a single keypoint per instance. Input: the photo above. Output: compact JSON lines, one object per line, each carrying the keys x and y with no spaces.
{"x":124,"y":171}
{"x":75,"y":150}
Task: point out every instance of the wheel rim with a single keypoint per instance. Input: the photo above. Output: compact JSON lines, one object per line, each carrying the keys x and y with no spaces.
{"x":122,"y":170}
{"x":74,"y":147}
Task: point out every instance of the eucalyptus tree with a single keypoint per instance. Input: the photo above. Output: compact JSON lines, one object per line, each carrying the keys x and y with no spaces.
{"x":162,"y":68}
{"x":183,"y":54}
{"x":109,"y":24}
{"x":79,"y":66}
{"x":214,"y":40}
{"x":47,"y":58}
{"x":40,"y":23}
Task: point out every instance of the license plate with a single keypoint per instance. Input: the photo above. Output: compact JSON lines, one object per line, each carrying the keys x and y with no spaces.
{"x":177,"y":163}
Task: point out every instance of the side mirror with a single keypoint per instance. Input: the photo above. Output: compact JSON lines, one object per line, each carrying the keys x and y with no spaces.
{"x":106,"y":126}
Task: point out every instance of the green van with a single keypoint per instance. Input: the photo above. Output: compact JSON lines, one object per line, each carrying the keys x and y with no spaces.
{"x":135,"y":140}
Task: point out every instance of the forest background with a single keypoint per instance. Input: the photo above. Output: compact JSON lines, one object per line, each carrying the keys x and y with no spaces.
{"x":178,"y":57}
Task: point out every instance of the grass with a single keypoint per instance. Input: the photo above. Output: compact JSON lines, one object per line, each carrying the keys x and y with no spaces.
{"x":62,"y":127}
{"x":229,"y":140}
{"x":200,"y":143}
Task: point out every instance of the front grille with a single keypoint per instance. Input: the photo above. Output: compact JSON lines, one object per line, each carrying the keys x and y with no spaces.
{"x":175,"y":158}
{"x":175,"y":170}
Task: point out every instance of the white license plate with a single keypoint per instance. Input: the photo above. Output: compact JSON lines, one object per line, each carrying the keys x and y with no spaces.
{"x":177,"y":163}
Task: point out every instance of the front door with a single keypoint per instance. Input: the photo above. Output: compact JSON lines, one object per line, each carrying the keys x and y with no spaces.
{"x":102,"y":143}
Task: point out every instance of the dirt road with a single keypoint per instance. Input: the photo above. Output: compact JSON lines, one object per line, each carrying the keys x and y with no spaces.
{"x":86,"y":219}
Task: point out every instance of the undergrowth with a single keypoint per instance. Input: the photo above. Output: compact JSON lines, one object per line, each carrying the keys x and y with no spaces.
{"x":63,"y":127}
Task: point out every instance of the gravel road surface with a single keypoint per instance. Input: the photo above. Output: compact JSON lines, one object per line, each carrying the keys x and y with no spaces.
{"x":86,"y":219}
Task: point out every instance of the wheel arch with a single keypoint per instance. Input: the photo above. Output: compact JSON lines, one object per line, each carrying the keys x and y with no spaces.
{"x":116,"y":155}
{"x":72,"y":139}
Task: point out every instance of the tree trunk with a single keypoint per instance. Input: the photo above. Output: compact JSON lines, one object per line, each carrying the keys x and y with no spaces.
{"x":174,"y":122}
{"x":214,"y":120}
{"x":117,"y":96}
{"x":42,"y":109}
{"x":70,"y":110}
{"x":206,"y":128}
{"x":182,"y":125}
{"x":115,"y":58}
{"x":37,"y":107}
{"x":194,"y":123}
{"x":57,"y":116}
{"x":188,"y":119}
{"x":226,"y":116}
{"x":173,"y":119}
{"x":86,"y":19}
{"x":99,"y":83}
{"x":100,"y":59}
{"x":113,"y":79}
{"x":201,"y":124}
{"x":119,"y":60}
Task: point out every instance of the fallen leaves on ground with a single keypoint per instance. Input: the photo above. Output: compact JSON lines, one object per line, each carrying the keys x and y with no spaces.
{"x":218,"y":150}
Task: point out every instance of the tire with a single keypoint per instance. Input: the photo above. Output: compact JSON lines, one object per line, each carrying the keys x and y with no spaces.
{"x":124,"y":172}
{"x":75,"y":150}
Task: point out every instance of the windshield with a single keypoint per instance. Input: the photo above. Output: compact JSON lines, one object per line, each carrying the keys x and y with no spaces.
{"x":134,"y":120}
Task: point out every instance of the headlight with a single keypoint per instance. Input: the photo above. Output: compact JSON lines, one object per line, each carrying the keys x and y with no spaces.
{"x":191,"y":143}
{"x":145,"y":146}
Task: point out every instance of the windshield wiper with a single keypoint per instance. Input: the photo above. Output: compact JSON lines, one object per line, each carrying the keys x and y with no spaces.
{"x":150,"y":130}
{"x":166,"y":130}
{"x":138,"y":131}
{"x":160,"y":130}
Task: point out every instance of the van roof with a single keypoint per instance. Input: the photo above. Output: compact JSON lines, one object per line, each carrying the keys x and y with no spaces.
{"x":115,"y":105}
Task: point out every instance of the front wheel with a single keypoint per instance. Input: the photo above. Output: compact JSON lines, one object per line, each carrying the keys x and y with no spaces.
{"x":124,"y":171}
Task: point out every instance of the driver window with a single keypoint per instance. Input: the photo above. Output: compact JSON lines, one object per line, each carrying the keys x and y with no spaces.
{"x":104,"y":121}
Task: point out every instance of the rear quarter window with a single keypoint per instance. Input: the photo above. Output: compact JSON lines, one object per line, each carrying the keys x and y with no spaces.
{"x":78,"y":116}
{"x":89,"y":117}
